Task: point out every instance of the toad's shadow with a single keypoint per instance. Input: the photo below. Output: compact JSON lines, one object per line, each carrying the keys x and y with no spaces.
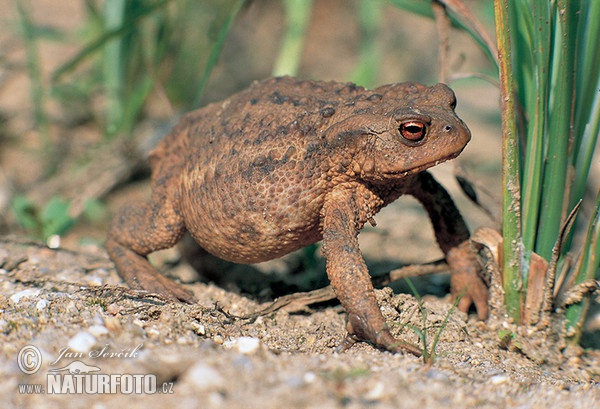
{"x":300,"y":271}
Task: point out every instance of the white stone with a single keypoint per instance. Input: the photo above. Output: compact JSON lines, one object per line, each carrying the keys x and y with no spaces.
{"x":243,"y":345}
{"x":198,"y":328}
{"x":41,"y":304}
{"x":98,"y":330}
{"x":499,"y":379}
{"x":30,"y":292}
{"x":309,"y":377}
{"x":204,"y":377}
{"x":376,"y":392}
{"x":82,"y":342}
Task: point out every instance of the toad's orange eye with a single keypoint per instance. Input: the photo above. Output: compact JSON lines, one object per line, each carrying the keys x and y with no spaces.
{"x":412,"y":131}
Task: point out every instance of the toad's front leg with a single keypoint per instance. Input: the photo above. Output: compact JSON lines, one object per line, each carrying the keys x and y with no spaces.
{"x":452,"y":235}
{"x":349,"y":276}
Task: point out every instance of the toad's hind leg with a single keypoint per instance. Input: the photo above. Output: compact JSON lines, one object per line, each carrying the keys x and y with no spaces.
{"x":141,"y":229}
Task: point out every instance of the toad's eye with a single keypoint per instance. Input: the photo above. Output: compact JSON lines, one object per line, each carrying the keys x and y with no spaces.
{"x":412,"y":131}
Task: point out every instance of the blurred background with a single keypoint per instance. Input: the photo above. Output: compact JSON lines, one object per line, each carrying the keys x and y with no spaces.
{"x":88,"y":87}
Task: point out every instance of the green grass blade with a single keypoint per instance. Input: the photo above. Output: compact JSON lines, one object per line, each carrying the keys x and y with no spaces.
{"x":587,"y":108}
{"x":298,"y":14}
{"x":38,"y":93}
{"x":588,"y":60}
{"x":114,"y":65}
{"x":537,"y":103}
{"x":419,"y":7}
{"x":556,"y":161}
{"x":423,"y":332}
{"x":368,"y":64}
{"x":96,"y":45}
{"x":587,"y":147}
{"x":226,"y":18}
{"x":438,"y":335}
{"x":424,"y":8}
{"x":135,"y":103}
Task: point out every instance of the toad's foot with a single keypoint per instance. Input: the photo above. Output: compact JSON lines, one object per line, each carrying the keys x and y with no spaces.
{"x":466,"y":280}
{"x":359,"y":329}
{"x":140,"y":275}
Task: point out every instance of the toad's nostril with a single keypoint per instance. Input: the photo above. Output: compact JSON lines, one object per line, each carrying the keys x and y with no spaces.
{"x":448,"y":128}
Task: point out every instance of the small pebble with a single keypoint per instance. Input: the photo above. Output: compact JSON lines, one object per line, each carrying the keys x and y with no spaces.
{"x":98,"y":330}
{"x":113,"y":324}
{"x":204,"y":377}
{"x":30,"y":292}
{"x":41,"y":304}
{"x":376,"y":392}
{"x":309,"y":377}
{"x":243,"y":345}
{"x":113,"y":308}
{"x":198,"y":328}
{"x":499,"y":379}
{"x":152,"y":332}
{"x":94,"y":280}
{"x":82,"y":342}
{"x":53,"y":241}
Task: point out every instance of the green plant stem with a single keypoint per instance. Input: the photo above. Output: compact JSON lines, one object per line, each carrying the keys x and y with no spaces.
{"x":114,"y":67}
{"x":511,"y":223}
{"x":297,"y":14}
{"x":38,"y":94}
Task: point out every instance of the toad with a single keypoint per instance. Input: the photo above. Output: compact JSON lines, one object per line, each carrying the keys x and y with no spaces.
{"x":289,"y":162}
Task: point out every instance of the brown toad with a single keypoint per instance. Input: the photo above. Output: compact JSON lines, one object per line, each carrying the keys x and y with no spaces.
{"x":287,"y":163}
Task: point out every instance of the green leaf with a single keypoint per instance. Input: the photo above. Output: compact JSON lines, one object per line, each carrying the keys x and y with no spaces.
{"x":25,"y":213}
{"x":95,"y":211}
{"x":55,"y":217}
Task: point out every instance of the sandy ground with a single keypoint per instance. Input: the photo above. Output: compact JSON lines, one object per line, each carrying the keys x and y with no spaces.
{"x":72,"y":308}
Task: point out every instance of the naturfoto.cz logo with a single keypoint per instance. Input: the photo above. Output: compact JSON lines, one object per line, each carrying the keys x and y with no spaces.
{"x":77,"y":377}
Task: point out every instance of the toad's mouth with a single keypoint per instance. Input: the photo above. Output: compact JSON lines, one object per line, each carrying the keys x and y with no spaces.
{"x":421,"y":168}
